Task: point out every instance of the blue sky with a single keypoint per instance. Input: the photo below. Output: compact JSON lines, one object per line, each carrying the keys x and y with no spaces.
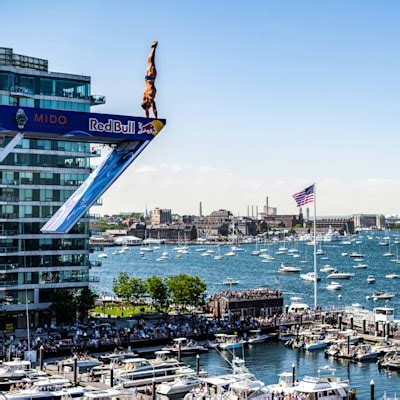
{"x":261,"y":97}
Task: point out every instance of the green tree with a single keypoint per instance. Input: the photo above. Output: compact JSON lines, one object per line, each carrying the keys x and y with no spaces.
{"x":85,"y":301}
{"x":64,"y":306}
{"x":129,"y":288}
{"x":186,"y":290}
{"x":157,"y":289}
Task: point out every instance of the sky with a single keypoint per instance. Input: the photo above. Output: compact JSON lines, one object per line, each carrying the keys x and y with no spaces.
{"x":262,"y":98}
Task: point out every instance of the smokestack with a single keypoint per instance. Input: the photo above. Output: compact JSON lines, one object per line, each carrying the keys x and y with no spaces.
{"x":307,"y":214}
{"x":252,"y":211}
{"x":248,"y":211}
{"x":200,"y":210}
{"x":267,"y":211}
{"x":256,"y":211}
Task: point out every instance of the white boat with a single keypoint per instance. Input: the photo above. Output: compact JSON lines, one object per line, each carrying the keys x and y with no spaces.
{"x":230,"y":254}
{"x":344,"y":254}
{"x":309,"y":276}
{"x":321,"y":387}
{"x":102,"y":255}
{"x":230,"y":282}
{"x":218,"y":257}
{"x":231,"y":342}
{"x":297,"y":306}
{"x":327,"y":269}
{"x":205,"y":254}
{"x":371,"y":279}
{"x":334,"y":286}
{"x":360,"y":266}
{"x":356,"y":255}
{"x":382,"y":296}
{"x":183,"y":345}
{"x":180,"y":386}
{"x":236,"y":249}
{"x":257,"y":337}
{"x":316,"y":345}
{"x":392,"y":276}
{"x":288,"y":268}
{"x":332,"y":236}
{"x":340,"y":275}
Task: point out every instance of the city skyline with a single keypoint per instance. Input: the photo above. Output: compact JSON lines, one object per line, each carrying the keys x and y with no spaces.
{"x":251,"y":111}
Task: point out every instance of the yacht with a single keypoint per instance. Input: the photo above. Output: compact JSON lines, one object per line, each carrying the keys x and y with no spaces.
{"x":340,"y":275}
{"x":331,"y":236}
{"x":236,"y":248}
{"x":313,"y":388}
{"x":179,"y":386}
{"x":297,"y":306}
{"x":371,"y":279}
{"x":382,"y":296}
{"x":344,"y":254}
{"x":102,"y":255}
{"x":334,"y":286}
{"x":309,"y":276}
{"x":391,"y":361}
{"x":185,"y":346}
{"x":392,"y":276}
{"x":47,"y":388}
{"x":230,"y":254}
{"x":288,"y":268}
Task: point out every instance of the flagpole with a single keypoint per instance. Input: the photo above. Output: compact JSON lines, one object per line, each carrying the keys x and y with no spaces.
{"x":315,"y":249}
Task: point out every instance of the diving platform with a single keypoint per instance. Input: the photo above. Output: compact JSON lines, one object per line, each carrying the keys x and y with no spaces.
{"x":128,"y":136}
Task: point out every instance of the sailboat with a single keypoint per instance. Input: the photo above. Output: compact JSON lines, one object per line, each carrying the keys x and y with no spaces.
{"x":304,"y":261}
{"x":219,"y":256}
{"x":256,"y":252}
{"x":388,"y":253}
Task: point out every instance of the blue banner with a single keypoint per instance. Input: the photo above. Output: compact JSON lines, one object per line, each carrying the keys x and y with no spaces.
{"x":44,"y":123}
{"x":93,"y":187}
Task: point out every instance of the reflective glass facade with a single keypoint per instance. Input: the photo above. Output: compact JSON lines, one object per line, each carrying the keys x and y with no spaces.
{"x":35,"y":180}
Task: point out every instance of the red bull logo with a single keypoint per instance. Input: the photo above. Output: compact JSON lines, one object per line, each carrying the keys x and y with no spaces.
{"x":149,"y":129}
{"x":111,"y":126}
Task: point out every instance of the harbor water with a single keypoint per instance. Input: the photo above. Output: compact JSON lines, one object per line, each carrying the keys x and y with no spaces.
{"x":269,"y":359}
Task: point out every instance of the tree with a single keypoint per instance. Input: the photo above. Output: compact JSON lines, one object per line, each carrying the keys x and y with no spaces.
{"x":157,"y":289}
{"x":129,"y":288}
{"x":64,"y":306}
{"x":85,"y":301}
{"x":186,"y":290}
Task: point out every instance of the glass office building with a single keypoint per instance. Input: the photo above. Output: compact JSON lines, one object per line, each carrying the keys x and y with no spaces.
{"x":35,"y":180}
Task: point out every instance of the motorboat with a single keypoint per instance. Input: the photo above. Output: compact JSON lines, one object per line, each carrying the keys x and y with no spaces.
{"x":230,"y":282}
{"x":360,"y":266}
{"x":179,"y":386}
{"x":231,"y":342}
{"x":331,"y":236}
{"x":236,"y":249}
{"x":297,"y":306}
{"x":288,"y":268}
{"x":392,"y":276}
{"x":382,"y":296}
{"x":371,"y":279}
{"x":102,"y":255}
{"x":257,"y":337}
{"x":185,"y":346}
{"x":12,"y":372}
{"x":334,"y":286}
{"x":340,"y":275}
{"x":47,"y":388}
{"x":245,"y":389}
{"x":218,"y":257}
{"x":327,"y":269}
{"x":315,"y":344}
{"x":84,"y":363}
{"x":115,"y":358}
{"x":320,"y":387}
{"x":390,"y":360}
{"x":356,"y":254}
{"x":230,"y":254}
{"x":309,"y":276}
{"x":344,"y":254}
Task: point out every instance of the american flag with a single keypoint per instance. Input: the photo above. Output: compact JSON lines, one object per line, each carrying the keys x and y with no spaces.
{"x":305,"y":196}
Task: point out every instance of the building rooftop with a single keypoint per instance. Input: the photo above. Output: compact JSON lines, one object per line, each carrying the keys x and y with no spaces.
{"x":256,"y":294}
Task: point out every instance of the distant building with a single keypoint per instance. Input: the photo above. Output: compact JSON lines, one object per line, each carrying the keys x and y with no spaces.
{"x":218,"y":217}
{"x":167,"y":232}
{"x":246,"y":227}
{"x":161,"y":216}
{"x":374,"y":221}
{"x":255,"y":303}
{"x":339,"y":224}
{"x":284,"y":221}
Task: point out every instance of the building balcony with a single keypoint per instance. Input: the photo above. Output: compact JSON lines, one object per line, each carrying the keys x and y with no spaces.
{"x":96,"y":100}
{"x":21,"y":91}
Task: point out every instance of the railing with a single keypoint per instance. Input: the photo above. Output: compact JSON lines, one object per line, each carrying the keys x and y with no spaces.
{"x":8,"y":198}
{"x":9,"y":232}
{"x":22,"y":90}
{"x":13,"y":183}
{"x":8,"y":216}
{"x":8,"y":249}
